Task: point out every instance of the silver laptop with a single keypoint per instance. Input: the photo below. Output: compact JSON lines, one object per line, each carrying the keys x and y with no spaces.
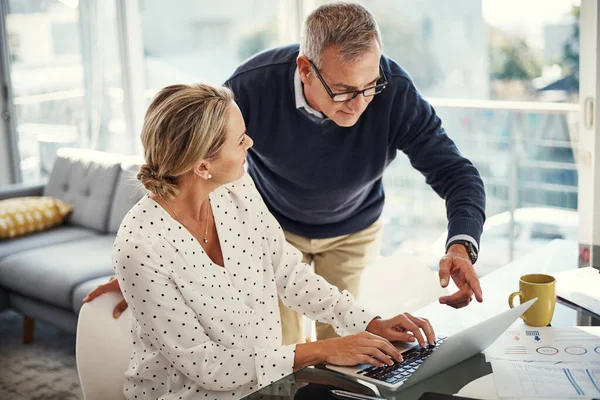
{"x":421,"y":363}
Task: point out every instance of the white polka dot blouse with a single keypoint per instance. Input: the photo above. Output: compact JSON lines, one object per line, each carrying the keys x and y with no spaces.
{"x":203,"y":331}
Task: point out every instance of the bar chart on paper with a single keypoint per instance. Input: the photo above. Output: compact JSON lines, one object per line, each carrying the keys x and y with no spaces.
{"x":536,"y":379}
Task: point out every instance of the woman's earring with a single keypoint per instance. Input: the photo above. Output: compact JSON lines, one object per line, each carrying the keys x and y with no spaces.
{"x":209,"y":176}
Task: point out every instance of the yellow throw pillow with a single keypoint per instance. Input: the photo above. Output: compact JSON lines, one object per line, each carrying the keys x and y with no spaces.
{"x":22,"y":215}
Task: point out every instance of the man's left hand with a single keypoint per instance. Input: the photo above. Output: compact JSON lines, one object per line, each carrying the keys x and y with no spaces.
{"x":457,"y":264}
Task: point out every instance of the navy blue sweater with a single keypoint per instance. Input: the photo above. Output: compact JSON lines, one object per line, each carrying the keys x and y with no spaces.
{"x":321,"y":180}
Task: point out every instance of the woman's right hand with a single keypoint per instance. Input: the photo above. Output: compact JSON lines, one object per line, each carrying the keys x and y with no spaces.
{"x":111,"y":286}
{"x":362,"y":348}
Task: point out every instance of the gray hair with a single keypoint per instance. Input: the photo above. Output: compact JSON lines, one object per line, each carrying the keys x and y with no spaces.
{"x":350,"y":27}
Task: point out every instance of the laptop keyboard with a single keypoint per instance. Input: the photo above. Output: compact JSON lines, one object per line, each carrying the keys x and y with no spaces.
{"x":400,"y":371}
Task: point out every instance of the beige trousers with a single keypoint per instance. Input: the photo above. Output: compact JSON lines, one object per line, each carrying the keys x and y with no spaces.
{"x":340,"y":260}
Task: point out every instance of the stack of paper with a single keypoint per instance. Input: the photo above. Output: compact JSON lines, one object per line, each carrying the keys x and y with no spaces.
{"x":547,"y":362}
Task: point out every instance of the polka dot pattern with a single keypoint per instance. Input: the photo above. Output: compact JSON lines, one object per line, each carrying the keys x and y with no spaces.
{"x":204,"y":331}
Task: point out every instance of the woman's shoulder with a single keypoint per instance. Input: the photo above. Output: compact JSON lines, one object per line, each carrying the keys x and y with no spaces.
{"x":243,"y":186}
{"x":140,"y":210}
{"x":140,"y":220}
{"x":244,"y":181}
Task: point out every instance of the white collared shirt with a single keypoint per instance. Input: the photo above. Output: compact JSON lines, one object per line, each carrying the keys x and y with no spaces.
{"x":301,"y":100}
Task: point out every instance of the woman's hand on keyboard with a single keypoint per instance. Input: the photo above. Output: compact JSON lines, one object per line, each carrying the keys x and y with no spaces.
{"x":404,"y":327}
{"x":362,"y":348}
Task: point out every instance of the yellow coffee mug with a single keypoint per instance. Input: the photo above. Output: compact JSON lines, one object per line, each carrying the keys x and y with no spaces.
{"x":544,"y":288}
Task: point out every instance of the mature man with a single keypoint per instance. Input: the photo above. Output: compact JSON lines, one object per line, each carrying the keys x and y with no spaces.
{"x":327,"y":117}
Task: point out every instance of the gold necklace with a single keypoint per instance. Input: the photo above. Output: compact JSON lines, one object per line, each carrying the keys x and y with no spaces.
{"x":205,"y":238}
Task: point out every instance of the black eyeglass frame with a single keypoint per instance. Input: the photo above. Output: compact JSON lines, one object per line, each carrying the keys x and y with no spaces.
{"x":379,"y":87}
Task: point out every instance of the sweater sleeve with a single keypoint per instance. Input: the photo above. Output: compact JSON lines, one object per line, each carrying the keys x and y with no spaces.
{"x":422,"y":138}
{"x":300,"y":288}
{"x":173,"y":328}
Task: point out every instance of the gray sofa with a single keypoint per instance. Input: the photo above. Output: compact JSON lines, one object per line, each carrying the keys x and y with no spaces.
{"x":46,"y":275}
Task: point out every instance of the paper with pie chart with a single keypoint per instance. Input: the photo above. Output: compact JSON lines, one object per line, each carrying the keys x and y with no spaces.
{"x":567,"y":344}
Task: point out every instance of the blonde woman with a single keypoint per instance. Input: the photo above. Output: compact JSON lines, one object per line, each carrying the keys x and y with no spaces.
{"x":201,"y":262}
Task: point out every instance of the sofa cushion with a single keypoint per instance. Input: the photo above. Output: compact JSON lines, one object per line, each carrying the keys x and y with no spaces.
{"x":128,"y":192}
{"x":50,"y":274}
{"x":22,"y":215}
{"x":84,"y":289}
{"x":85,"y":179}
{"x":56,"y":235}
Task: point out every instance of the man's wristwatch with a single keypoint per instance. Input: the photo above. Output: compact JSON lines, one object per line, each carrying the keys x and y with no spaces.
{"x":471,"y":250}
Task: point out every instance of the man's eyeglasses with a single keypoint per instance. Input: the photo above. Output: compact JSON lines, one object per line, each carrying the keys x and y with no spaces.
{"x":347,"y":96}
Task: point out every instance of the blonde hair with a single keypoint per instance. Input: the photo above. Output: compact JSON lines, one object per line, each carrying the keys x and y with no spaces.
{"x":350,"y":27}
{"x":183,"y":125}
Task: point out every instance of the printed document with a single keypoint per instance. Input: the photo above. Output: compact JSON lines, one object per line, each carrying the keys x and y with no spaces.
{"x":567,"y":344}
{"x":550,"y":380}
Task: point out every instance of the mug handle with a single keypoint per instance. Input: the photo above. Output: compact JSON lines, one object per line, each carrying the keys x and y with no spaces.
{"x":511,"y":299}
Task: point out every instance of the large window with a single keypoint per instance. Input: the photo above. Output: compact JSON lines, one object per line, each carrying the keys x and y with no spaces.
{"x":197,"y":42}
{"x":75,"y":66}
{"x":65,"y":79}
{"x":503,"y":77}
{"x":67,"y":62}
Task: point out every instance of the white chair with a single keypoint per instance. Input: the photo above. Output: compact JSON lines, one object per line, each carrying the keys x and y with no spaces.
{"x":398,"y":283}
{"x":104,"y":347}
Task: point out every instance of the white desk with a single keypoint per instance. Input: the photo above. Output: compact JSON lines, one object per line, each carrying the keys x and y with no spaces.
{"x":559,"y":255}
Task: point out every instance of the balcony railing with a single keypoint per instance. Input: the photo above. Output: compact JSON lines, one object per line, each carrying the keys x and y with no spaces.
{"x":526,"y":153}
